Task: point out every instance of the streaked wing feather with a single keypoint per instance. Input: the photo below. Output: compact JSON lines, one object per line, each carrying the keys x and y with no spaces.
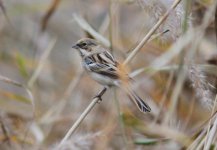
{"x":106,"y":69}
{"x":106,"y":56}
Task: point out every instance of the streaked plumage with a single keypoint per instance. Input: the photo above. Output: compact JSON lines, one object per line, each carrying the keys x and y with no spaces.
{"x":102,"y":67}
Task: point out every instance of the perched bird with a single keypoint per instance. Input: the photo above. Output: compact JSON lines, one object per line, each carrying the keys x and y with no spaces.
{"x":103,"y":68}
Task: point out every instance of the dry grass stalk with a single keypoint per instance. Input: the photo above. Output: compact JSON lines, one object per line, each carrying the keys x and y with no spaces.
{"x":5,"y":131}
{"x":151,"y":32}
{"x":41,"y":63}
{"x":86,"y":27}
{"x":10,"y":81}
{"x":82,"y":116}
{"x":52,"y":114}
{"x":211,"y":131}
{"x":49,"y":13}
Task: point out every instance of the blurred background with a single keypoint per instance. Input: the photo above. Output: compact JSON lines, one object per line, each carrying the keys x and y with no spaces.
{"x":43,"y":88}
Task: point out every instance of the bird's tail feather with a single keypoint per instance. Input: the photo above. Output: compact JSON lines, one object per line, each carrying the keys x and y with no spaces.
{"x":143,"y":107}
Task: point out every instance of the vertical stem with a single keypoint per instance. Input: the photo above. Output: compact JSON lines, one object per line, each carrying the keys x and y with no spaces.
{"x":165,"y":96}
{"x":111,"y":25}
{"x":120,"y":118}
{"x":5,"y":132}
{"x":209,"y":136}
{"x":216,"y":22}
{"x":187,"y":10}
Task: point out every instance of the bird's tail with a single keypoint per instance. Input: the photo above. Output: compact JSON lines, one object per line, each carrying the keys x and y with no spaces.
{"x":143,"y":107}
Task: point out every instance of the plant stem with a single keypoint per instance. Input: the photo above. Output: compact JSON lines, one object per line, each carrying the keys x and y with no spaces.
{"x":96,"y":100}
{"x":150,"y":33}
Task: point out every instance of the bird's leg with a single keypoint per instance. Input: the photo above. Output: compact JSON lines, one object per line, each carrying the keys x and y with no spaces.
{"x":100,"y":94}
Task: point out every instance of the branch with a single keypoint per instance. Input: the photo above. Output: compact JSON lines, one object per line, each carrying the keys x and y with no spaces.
{"x":96,"y":100}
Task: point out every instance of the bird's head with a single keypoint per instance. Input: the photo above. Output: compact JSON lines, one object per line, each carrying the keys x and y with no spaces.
{"x":85,"y":46}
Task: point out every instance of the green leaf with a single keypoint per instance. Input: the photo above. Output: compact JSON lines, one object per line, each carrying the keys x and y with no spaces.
{"x":21,"y":62}
{"x":148,"y":141}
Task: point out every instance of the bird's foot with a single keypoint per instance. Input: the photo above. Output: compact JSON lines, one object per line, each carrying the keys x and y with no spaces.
{"x":100,"y":94}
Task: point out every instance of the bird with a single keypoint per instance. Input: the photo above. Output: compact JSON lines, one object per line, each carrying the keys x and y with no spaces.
{"x":102,"y":67}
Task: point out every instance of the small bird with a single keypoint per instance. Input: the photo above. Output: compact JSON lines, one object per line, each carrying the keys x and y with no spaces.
{"x":103,"y":68}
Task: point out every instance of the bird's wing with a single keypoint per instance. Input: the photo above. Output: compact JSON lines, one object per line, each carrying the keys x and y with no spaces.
{"x":102,"y":63}
{"x":104,"y":69}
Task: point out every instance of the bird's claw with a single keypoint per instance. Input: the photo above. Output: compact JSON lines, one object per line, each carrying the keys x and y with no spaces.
{"x":100,"y":94}
{"x":99,"y":97}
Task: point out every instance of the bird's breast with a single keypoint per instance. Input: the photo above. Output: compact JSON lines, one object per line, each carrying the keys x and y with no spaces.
{"x":103,"y":80}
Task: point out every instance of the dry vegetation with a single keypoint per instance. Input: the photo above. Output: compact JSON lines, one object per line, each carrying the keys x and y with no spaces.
{"x":43,"y":89}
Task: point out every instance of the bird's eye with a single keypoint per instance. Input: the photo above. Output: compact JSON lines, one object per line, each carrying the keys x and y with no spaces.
{"x":83,"y":44}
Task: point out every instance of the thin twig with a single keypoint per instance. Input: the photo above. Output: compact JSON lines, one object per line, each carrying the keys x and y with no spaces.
{"x":154,"y":36}
{"x":151,"y":32}
{"x":52,"y":114}
{"x":2,"y":7}
{"x":41,"y":63}
{"x":120,"y":118}
{"x":29,"y":93}
{"x":157,"y":35}
{"x":164,"y":98}
{"x":5,"y":132}
{"x":216,"y":23}
{"x":85,"y":26}
{"x":50,"y":12}
{"x":96,"y":100}
{"x":111,"y":25}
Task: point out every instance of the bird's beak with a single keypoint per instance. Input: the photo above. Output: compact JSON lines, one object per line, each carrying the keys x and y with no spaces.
{"x":75,"y":47}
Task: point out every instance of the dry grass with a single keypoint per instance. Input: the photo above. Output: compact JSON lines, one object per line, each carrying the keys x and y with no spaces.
{"x":175,"y":72}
